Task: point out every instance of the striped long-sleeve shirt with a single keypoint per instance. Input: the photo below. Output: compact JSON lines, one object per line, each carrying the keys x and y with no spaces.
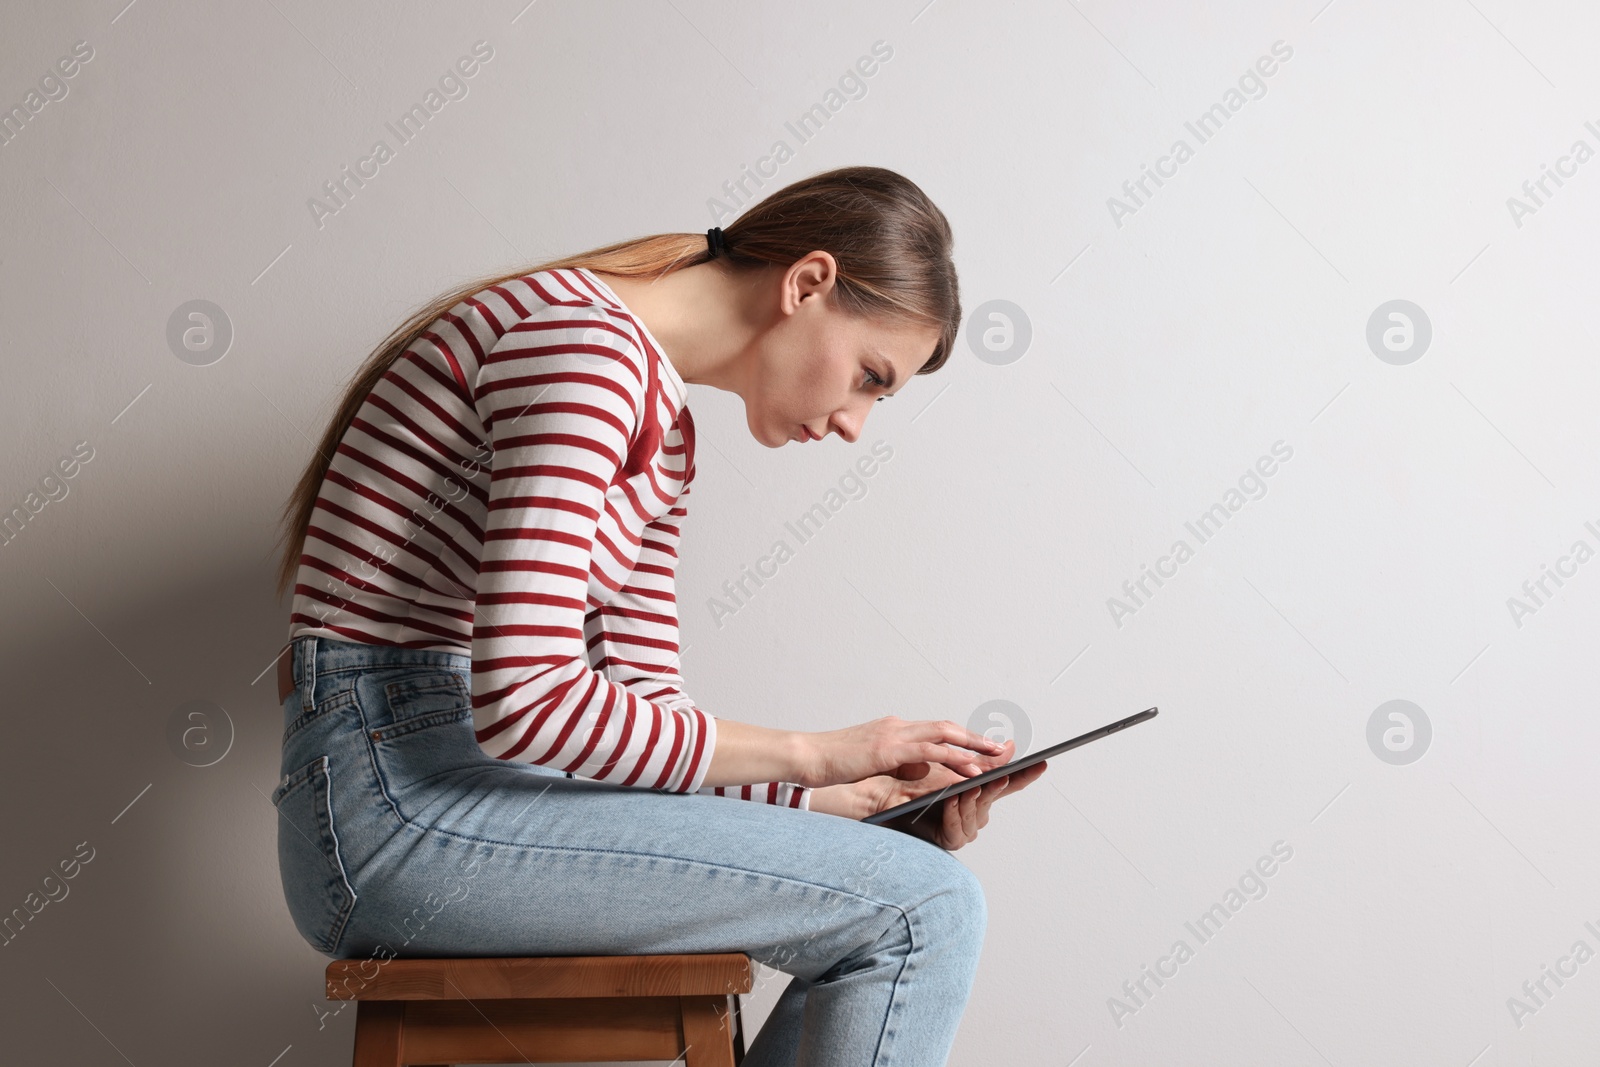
{"x":512,"y":489}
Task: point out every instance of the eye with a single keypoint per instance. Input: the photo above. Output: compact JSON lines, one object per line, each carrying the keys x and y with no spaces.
{"x":874,"y":379}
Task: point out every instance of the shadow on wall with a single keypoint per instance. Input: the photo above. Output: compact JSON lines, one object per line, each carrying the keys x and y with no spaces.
{"x":142,"y":889}
{"x":141,"y":865}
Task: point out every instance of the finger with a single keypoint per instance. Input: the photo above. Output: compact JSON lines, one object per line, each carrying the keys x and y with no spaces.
{"x":959,"y":818}
{"x":982,"y":743}
{"x":957,"y":758}
{"x":989,"y":763}
{"x":934,"y":752}
{"x":1022,"y":778}
{"x":1007,"y":753}
{"x":946,"y":730}
{"x":992,"y":792}
{"x":946,"y":837}
{"x":1017,"y":780}
{"x":999,"y":758}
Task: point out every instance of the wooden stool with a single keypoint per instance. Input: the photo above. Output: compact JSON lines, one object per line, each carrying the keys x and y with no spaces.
{"x":545,"y":1009}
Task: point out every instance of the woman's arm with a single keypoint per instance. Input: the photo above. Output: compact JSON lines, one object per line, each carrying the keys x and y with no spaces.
{"x":635,"y":639}
{"x":852,"y":770}
{"x":850,"y":800}
{"x":558,"y":395}
{"x":748,"y":753}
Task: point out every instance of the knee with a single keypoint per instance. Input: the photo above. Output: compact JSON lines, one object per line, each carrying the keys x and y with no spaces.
{"x":968,"y":893}
{"x":954,"y":907}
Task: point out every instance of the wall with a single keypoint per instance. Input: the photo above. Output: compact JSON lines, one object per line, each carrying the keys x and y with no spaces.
{"x":1385,"y":493}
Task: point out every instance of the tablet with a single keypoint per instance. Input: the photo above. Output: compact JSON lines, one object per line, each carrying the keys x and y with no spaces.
{"x":929,"y":799}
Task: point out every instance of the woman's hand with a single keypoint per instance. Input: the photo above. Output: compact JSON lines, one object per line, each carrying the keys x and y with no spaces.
{"x":900,"y":748}
{"x":953,"y":821}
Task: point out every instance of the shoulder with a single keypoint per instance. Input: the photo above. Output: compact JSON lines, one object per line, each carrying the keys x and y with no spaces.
{"x":488,"y":314}
{"x":566,"y":344}
{"x":561,"y":287}
{"x":563,"y":318}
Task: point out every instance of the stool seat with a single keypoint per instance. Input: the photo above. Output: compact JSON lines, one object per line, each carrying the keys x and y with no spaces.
{"x":545,"y":1009}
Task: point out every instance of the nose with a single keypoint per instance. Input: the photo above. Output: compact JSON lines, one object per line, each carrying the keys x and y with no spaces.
{"x":849,"y":421}
{"x":848,"y":424}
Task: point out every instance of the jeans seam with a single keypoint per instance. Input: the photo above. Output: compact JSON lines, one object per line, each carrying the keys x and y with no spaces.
{"x":703,"y":864}
{"x":327,"y":707}
{"x":372,"y":758}
{"x":344,"y":875}
{"x":426,"y":721}
{"x":306,"y":777}
{"x":894,"y":989}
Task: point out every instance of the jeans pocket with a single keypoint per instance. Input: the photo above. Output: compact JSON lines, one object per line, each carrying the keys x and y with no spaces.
{"x":315,"y":887}
{"x":437,"y":698}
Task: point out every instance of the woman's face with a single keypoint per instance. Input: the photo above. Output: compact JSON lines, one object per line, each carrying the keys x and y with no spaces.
{"x":818,"y":369}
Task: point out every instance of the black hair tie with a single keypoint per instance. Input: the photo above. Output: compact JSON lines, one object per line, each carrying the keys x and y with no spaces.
{"x":716,"y":242}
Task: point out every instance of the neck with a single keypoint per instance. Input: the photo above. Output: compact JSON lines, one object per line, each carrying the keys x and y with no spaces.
{"x":704,"y":317}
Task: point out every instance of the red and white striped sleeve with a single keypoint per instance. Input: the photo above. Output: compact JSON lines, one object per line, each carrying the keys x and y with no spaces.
{"x":783,"y":794}
{"x":638,"y":631}
{"x":560,"y":396}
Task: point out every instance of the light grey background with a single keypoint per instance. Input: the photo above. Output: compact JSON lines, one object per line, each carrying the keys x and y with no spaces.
{"x":1168,"y":354}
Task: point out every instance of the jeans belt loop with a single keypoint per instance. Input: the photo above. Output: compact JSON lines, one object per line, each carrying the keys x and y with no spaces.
{"x":306,"y":649}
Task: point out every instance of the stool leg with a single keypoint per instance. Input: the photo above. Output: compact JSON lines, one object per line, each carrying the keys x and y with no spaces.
{"x":378,"y":1033}
{"x":707,"y":1031}
{"x":738,"y":1030}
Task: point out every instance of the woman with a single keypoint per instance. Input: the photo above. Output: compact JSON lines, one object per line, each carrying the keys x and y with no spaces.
{"x":487,"y":745}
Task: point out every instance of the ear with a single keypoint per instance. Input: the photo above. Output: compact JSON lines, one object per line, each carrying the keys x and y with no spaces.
{"x":812,"y":276}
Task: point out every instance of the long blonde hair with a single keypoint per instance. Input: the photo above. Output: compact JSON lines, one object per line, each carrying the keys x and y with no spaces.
{"x":893,"y":247}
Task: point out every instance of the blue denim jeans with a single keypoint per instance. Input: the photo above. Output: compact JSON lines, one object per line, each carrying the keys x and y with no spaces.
{"x":399,"y":836}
